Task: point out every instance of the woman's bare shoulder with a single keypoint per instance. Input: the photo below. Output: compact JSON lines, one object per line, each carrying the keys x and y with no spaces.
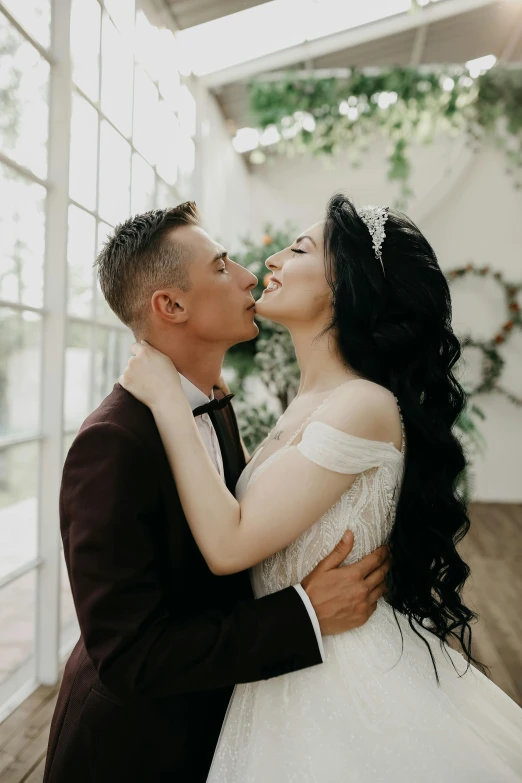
{"x":365,"y":409}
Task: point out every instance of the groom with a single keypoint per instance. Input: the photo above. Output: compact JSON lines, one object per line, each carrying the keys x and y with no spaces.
{"x":163,"y":640}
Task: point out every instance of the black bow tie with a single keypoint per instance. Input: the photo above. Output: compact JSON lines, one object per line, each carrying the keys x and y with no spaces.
{"x":212,"y":405}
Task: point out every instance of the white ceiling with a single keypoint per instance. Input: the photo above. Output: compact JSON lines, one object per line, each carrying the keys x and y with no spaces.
{"x":188,"y":13}
{"x":446,"y":32}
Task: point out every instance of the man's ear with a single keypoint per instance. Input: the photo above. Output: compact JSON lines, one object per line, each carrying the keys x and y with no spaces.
{"x":170,"y":305}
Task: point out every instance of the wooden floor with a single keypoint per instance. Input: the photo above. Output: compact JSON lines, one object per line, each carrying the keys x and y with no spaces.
{"x":493,"y":549}
{"x":23,"y":738}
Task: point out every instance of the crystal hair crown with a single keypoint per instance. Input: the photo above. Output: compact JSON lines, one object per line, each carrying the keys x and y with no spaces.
{"x":375,"y":219}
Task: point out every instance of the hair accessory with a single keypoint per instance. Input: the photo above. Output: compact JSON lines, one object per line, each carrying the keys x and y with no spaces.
{"x":375,"y":218}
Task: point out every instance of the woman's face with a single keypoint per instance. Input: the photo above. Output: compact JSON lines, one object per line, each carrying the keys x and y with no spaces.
{"x":297,"y":290}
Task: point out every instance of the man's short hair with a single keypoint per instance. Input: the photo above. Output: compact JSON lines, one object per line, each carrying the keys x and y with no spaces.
{"x":138,"y":259}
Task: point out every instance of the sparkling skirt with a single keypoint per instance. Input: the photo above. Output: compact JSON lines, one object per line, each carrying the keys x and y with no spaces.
{"x":373,"y":713}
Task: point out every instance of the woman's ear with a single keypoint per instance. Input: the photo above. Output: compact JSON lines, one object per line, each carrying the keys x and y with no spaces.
{"x":170,"y":305}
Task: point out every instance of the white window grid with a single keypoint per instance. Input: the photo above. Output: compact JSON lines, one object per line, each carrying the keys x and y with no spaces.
{"x":43,"y":666}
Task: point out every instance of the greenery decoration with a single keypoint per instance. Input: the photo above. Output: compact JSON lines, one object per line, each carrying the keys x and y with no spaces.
{"x":492,"y":365}
{"x":255,"y":422}
{"x":271,"y":356}
{"x":492,"y":361}
{"x":404,"y":105}
{"x":473,"y":443}
{"x":273,"y":341}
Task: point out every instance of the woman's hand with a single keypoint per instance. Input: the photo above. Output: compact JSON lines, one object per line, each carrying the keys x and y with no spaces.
{"x":152,"y":378}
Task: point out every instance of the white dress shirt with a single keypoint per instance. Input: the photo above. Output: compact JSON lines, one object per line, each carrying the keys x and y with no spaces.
{"x":210,"y":440}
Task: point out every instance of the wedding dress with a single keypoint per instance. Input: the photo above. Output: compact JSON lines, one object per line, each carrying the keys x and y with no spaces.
{"x":373,"y":711}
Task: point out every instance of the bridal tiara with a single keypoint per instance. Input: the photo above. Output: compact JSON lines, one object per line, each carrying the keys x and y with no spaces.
{"x":375,"y":219}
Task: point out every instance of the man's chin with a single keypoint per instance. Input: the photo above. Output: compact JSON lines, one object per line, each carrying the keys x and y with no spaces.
{"x":245,"y":335}
{"x":253,"y":331}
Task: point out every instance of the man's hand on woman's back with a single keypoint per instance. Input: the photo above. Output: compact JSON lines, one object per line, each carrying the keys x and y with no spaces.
{"x":344,"y":598}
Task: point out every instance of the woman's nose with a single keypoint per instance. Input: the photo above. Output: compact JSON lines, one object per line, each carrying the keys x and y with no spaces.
{"x":274,"y":262}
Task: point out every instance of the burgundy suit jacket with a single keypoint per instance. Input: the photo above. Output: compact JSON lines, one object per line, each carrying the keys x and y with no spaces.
{"x":163,"y":640}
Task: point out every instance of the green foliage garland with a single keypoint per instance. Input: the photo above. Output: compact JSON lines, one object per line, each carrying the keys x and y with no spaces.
{"x":405,"y":105}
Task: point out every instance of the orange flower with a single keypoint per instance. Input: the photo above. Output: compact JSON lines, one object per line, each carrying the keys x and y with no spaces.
{"x":499,"y":339}
{"x":267,"y":239}
{"x":514,"y":306}
{"x":508,"y":326}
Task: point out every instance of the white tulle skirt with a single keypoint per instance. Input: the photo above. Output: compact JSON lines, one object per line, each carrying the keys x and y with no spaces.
{"x":370,"y":714}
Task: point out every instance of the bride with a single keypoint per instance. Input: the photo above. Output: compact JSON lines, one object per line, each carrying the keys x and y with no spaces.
{"x":369,"y":312}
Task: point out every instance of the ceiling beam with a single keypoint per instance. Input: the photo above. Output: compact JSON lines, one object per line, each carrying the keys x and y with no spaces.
{"x":165,"y":10}
{"x":344,"y":40}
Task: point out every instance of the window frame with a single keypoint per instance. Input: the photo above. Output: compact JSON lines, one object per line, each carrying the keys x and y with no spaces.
{"x":50,"y":644}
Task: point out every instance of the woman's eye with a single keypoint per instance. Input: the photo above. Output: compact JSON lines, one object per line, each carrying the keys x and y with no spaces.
{"x":296,"y":250}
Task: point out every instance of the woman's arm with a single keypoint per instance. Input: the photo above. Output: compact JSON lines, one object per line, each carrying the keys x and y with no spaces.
{"x":287,"y":499}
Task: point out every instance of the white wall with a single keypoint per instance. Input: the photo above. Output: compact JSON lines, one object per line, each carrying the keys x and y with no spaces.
{"x":220,"y":181}
{"x":469,"y":210}
{"x":222,"y":187}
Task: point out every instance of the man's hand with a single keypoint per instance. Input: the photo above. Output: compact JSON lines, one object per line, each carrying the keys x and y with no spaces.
{"x":344,"y":598}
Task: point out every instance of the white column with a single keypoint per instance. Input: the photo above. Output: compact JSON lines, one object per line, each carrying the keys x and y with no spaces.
{"x":53,"y":355}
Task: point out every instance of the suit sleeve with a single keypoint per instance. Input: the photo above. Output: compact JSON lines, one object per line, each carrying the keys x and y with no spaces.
{"x":139,"y":647}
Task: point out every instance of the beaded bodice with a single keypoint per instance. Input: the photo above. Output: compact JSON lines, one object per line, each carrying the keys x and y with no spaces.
{"x":367,"y":508}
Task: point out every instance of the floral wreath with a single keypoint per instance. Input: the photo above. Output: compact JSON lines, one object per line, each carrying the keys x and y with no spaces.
{"x":492,"y":362}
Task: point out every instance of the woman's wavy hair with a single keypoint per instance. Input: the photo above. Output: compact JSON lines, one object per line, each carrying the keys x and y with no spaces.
{"x":395,"y":329}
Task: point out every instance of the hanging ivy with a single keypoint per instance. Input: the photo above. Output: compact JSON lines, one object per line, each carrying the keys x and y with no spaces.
{"x":404,"y":105}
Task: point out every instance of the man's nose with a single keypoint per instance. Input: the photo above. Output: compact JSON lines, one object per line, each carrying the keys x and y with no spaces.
{"x":251,"y":280}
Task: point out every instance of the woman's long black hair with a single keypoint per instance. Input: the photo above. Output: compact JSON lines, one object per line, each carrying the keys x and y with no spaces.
{"x":395,"y":329}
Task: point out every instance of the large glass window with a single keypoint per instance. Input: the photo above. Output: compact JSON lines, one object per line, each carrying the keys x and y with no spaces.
{"x":80,"y":257}
{"x":116,"y":82}
{"x":34,"y":16}
{"x":20,"y":372}
{"x":114,"y":174}
{"x":83,"y":161}
{"x":25,"y":86}
{"x":85,"y":46}
{"x":18,"y":506}
{"x":17,"y":618}
{"x":24,"y":121}
{"x":130,"y":148}
{"x":22,"y":238}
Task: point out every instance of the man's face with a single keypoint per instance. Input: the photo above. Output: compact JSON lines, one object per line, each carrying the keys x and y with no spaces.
{"x":219,"y":305}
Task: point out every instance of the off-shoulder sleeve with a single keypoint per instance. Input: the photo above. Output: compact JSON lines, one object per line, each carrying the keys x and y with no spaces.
{"x":343,"y":453}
